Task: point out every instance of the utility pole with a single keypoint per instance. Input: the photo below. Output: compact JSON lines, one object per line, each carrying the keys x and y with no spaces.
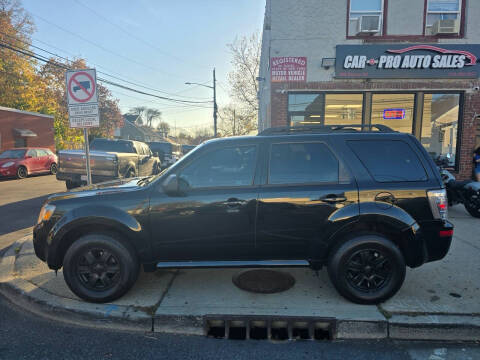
{"x":214,"y":105}
{"x":215,"y":108}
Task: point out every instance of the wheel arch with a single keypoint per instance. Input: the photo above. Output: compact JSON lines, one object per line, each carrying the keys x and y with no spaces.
{"x":403,"y":234}
{"x":112,"y":221}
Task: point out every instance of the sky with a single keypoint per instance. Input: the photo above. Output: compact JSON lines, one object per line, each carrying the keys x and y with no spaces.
{"x":157,"y":44}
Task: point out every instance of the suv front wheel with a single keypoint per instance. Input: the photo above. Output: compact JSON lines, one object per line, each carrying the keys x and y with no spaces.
{"x":100,"y":268}
{"x":367,"y":269}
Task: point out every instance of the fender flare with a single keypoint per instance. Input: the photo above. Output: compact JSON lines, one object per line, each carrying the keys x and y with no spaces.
{"x":105,"y":217}
{"x":396,"y":221}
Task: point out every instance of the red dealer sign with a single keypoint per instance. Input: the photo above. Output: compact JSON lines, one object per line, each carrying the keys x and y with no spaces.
{"x":288,"y":68}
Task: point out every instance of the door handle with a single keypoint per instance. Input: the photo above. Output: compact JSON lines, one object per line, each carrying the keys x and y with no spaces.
{"x":232,"y":202}
{"x":332,"y":199}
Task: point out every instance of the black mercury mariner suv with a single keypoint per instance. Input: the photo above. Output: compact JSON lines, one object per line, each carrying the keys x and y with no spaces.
{"x":364,"y":201}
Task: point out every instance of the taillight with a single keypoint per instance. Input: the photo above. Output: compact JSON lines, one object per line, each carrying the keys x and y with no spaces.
{"x":438,"y":203}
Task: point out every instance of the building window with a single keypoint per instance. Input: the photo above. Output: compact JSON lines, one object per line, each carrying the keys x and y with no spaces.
{"x":365,"y":17}
{"x":343,"y":109}
{"x":20,"y":142}
{"x":438,"y":10}
{"x":325,"y":109}
{"x":394,"y":110}
{"x":440,"y":125}
{"x":305,"y":109}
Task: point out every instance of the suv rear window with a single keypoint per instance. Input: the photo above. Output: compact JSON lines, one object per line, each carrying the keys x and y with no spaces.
{"x":389,"y":160}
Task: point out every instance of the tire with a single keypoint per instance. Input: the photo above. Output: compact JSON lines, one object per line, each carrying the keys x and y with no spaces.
{"x":130,"y":173}
{"x":53,"y":169}
{"x":356,"y":268}
{"x":100,"y":268}
{"x":473,"y":210}
{"x":22,"y":172}
{"x":70,"y":184}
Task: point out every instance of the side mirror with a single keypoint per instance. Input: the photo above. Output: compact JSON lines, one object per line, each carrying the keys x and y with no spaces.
{"x":170,"y":185}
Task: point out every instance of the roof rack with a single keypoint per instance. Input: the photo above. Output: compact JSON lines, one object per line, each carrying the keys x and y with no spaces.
{"x":289,"y":130}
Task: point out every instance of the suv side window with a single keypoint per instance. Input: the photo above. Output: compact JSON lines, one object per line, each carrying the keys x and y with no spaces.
{"x":304,"y":163}
{"x":389,"y":160}
{"x":231,"y":166}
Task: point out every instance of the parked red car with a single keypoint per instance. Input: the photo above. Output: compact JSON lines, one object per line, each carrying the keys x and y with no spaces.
{"x":21,"y":162}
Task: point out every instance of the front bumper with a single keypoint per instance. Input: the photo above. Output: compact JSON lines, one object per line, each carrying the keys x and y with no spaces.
{"x":8,"y":172}
{"x":40,"y":235}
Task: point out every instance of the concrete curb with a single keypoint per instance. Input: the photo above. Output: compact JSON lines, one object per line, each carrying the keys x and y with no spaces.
{"x":129,"y":318}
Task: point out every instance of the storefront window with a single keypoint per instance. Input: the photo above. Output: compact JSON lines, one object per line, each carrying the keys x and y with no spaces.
{"x":325,"y":109}
{"x":343,"y":109}
{"x":440,"y":125}
{"x":305,"y":109}
{"x":394,"y":110}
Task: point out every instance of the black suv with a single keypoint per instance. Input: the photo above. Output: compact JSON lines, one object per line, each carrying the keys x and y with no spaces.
{"x":365,"y":202}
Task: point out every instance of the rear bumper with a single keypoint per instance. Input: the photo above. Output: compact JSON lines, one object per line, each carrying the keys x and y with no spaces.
{"x":431,"y":242}
{"x":77,"y":178}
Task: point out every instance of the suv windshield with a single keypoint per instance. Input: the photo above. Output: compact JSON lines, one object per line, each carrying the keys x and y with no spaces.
{"x":12,"y":154}
{"x":113,"y":146}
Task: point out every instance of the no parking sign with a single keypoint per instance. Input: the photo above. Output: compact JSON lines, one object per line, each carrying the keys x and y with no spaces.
{"x":82,"y":98}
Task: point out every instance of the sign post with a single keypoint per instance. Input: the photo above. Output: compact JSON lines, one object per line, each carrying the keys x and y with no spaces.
{"x":82,"y":101}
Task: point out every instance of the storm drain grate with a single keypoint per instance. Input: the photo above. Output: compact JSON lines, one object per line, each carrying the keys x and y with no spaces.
{"x":269,"y":328}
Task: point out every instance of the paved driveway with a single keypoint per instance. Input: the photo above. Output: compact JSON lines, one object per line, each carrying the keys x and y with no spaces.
{"x":20,"y":202}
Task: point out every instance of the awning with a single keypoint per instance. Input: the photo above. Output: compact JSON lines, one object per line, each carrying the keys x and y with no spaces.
{"x":24,"y":133}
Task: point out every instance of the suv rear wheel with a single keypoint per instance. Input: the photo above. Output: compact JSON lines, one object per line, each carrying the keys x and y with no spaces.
{"x":367,"y":269}
{"x":100,"y":268}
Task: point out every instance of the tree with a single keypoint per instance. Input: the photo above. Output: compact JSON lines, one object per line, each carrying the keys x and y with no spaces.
{"x":164,"y":128}
{"x":243,"y":78}
{"x":20,"y":87}
{"x":236,"y":121}
{"x":151,"y":115}
{"x":139,"y":111}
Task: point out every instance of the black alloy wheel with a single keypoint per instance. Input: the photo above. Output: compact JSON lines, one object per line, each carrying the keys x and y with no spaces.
{"x":98,"y":269}
{"x":367,"y":269}
{"x":53,"y":169}
{"x":22,"y":172}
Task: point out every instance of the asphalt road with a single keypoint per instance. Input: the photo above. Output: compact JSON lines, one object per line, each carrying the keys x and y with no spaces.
{"x":26,"y":336}
{"x":20,"y":202}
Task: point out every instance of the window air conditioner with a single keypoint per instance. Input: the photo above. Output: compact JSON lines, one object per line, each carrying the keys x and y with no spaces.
{"x":369,"y":24}
{"x":450,"y":26}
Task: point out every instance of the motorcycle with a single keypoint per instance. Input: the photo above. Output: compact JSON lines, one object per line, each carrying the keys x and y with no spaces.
{"x":460,"y":192}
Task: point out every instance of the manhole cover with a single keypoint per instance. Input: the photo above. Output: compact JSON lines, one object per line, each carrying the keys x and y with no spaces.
{"x":264,"y":281}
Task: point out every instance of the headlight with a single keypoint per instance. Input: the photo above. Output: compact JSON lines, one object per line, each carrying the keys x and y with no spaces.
{"x":8,"y":164}
{"x":46,"y":213}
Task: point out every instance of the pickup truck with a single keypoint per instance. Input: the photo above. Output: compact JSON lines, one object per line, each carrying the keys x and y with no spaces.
{"x":109,"y":160}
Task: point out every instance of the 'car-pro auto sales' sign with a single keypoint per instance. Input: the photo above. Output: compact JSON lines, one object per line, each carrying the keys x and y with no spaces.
{"x":407,"y":61}
{"x":288,"y":68}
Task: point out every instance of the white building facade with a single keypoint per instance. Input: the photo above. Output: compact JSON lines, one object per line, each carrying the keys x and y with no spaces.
{"x":409,"y":64}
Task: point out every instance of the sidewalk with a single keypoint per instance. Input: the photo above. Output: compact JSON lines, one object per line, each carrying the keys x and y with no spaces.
{"x":438,"y":301}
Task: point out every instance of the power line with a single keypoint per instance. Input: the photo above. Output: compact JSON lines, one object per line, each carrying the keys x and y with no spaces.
{"x":102,"y":67}
{"x":41,"y":58}
{"x":149,"y":44}
{"x":102,"y":47}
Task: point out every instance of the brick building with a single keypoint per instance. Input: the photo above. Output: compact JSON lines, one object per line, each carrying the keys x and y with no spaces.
{"x":22,"y":128}
{"x":408,"y":64}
